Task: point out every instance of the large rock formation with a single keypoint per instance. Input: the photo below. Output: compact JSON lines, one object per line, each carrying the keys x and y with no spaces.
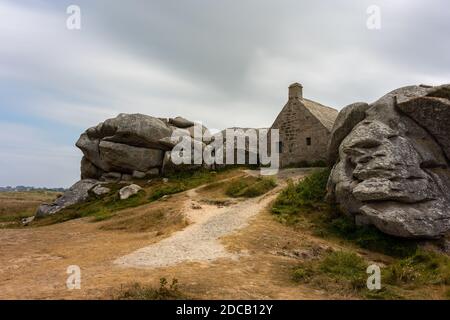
{"x":391,"y":162}
{"x":130,"y":145}
{"x":126,"y":148}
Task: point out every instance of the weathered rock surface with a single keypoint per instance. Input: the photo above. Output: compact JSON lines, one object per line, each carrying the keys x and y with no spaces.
{"x":79,"y":192}
{"x":346,"y":120}
{"x":392,"y":168}
{"x":124,"y":147}
{"x":129,"y":191}
{"x":100,"y":190}
{"x":125,"y":158}
{"x":181,"y":122}
{"x":193,"y":151}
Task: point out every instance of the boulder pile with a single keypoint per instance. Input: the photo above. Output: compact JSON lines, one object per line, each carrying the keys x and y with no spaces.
{"x":126,"y":148}
{"x":391,"y":163}
{"x":131,"y":146}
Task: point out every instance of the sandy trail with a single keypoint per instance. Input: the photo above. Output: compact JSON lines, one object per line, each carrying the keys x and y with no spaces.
{"x":244,"y":252}
{"x":200,"y":241}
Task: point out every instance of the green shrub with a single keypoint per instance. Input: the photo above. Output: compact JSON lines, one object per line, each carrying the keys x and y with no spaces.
{"x":302,"y":273}
{"x":345,"y":266}
{"x":424,"y":267}
{"x":339,"y":270}
{"x":369,"y":237}
{"x":309,"y":192}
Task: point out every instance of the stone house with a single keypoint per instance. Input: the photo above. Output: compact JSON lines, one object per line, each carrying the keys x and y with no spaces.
{"x":304,"y":127}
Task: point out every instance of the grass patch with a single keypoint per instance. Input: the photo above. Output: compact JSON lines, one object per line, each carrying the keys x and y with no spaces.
{"x":182,"y":181}
{"x":98,"y":208}
{"x":105,"y":207}
{"x":165,"y":291}
{"x":161,"y":218}
{"x":302,"y":205}
{"x":338,"y":271}
{"x":308,"y":193}
{"x":14,"y":206}
{"x":344,"y":273}
{"x":413,"y":273}
{"x":249,"y":187}
{"x":422,"y":268}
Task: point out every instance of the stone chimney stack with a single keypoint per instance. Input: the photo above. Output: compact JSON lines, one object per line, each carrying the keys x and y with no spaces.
{"x":295,"y":91}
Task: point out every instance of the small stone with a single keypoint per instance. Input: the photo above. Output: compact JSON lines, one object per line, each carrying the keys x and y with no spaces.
{"x":99,"y":190}
{"x":26,"y":221}
{"x":196,"y":206}
{"x":129,"y":191}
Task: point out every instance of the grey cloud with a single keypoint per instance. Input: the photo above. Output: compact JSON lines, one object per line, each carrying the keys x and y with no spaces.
{"x":227,"y":63}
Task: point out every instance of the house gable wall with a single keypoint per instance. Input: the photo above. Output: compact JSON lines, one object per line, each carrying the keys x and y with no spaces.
{"x":296,"y":124}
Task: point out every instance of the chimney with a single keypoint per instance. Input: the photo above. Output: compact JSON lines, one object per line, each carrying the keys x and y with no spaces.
{"x":295,"y":91}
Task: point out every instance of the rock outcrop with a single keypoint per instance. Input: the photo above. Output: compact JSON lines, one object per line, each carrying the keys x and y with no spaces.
{"x":131,"y":146}
{"x":126,"y":148}
{"x":346,"y":120}
{"x":391,"y":162}
{"x":79,"y":192}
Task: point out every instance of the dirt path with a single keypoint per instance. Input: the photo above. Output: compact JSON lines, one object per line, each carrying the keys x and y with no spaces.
{"x":200,"y":241}
{"x":235,"y":252}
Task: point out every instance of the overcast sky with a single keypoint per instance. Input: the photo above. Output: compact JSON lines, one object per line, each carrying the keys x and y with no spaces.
{"x":224,"y":62}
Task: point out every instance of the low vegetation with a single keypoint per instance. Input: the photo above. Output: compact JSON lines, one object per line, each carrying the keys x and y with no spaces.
{"x":307,"y":164}
{"x":249,"y":187}
{"x":162,"y":218}
{"x":344,"y":273}
{"x":182,"y":181}
{"x":14,"y":206}
{"x":421,"y":268}
{"x":105,"y":207}
{"x":338,"y":271}
{"x":411,"y":271}
{"x":302,"y":205}
{"x":165,"y":291}
{"x":98,"y":208}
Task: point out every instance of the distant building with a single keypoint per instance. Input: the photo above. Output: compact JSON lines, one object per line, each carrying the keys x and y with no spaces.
{"x":304,"y":128}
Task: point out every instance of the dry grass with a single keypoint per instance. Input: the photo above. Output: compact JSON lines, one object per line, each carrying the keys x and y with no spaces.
{"x":17,"y":205}
{"x":137,"y":291}
{"x":160,"y":217}
{"x":108,"y":206}
{"x":409,"y":271}
{"x":221,"y":193}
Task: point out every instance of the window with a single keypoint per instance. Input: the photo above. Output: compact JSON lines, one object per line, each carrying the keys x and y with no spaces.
{"x":280,"y":147}
{"x":308,"y":141}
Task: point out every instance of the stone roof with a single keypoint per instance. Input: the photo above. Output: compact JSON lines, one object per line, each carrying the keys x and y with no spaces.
{"x":325,"y":115}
